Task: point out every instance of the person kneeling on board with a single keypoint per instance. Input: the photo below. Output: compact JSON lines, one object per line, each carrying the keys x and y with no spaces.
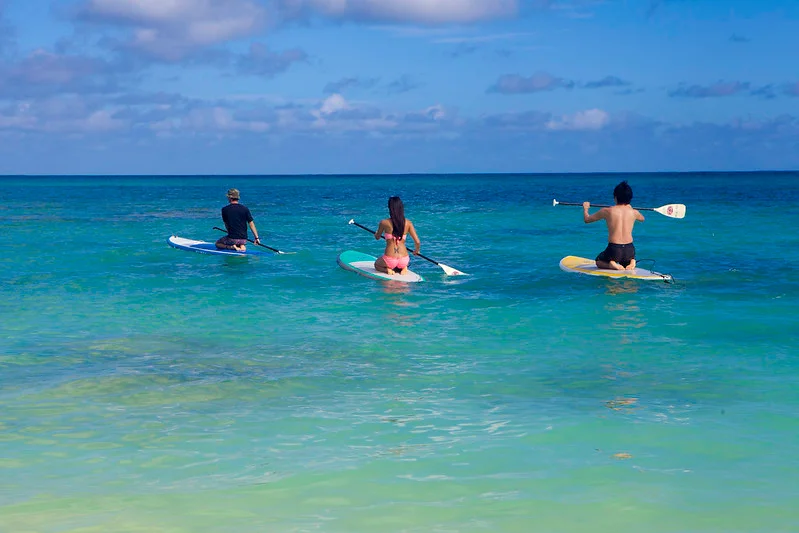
{"x":236,"y":218}
{"x":620,"y":218}
{"x":396,"y":258}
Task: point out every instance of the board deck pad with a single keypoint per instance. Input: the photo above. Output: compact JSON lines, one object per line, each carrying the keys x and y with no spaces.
{"x":204,"y":247}
{"x":364,"y":264}
{"x":582,"y":265}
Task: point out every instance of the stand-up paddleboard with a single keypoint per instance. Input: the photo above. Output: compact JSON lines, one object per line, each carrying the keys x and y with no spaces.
{"x":581,"y":265}
{"x":203,"y":247}
{"x":364,"y":264}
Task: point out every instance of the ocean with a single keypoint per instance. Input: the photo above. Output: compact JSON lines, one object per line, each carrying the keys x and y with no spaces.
{"x":145,"y":388}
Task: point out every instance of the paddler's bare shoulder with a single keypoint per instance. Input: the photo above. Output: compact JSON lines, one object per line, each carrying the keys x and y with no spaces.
{"x":625,"y":210}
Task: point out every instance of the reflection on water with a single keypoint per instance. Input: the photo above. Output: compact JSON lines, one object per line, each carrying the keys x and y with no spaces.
{"x":622,"y":287}
{"x":399,"y":320}
{"x":397,"y":288}
{"x":627,"y":315}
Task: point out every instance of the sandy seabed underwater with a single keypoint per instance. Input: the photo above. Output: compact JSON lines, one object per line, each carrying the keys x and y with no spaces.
{"x":145,"y":388}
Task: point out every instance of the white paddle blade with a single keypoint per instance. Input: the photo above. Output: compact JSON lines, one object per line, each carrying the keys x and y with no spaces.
{"x":449,"y":271}
{"x":672,"y":210}
{"x":352,"y":221}
{"x":554,"y":202}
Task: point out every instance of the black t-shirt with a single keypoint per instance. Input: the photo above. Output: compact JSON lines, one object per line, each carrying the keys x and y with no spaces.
{"x":236,"y":217}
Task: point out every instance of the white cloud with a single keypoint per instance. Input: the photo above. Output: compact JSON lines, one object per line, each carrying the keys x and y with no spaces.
{"x":171,"y":29}
{"x":42,"y":67}
{"x":209,"y":120}
{"x":436,"y":112}
{"x":99,"y":121}
{"x":60,"y":116}
{"x":414,"y":11}
{"x":336,"y":114}
{"x":229,"y":118}
{"x":591,"y":119}
{"x":44,"y":73}
{"x":344,"y":84}
{"x":261,"y":61}
{"x":16,"y":122}
{"x":540,"y":81}
{"x":333,"y":103}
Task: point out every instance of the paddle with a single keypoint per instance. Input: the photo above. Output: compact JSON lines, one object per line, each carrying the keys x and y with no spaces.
{"x":447,"y":269}
{"x":669,"y":210}
{"x":259,"y":244}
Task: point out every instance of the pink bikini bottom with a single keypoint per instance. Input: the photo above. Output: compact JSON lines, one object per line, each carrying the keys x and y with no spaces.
{"x":396,"y":262}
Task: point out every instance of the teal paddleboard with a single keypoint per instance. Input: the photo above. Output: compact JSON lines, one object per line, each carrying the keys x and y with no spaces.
{"x":364,"y":264}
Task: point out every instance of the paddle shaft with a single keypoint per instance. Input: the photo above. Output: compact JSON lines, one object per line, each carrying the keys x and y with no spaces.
{"x":256,"y":243}
{"x":599,"y":205}
{"x":420,"y":255}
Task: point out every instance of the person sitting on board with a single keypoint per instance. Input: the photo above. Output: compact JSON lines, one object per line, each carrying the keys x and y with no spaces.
{"x":236,"y":218}
{"x":396,"y":258}
{"x":620,"y":253}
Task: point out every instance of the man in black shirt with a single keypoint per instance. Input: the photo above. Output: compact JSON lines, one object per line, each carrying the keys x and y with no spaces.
{"x":236,"y":218}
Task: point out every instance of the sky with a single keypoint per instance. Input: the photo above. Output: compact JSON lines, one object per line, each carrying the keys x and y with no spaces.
{"x":397,"y":86}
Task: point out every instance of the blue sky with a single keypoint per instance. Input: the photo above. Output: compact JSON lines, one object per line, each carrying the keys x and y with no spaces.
{"x":395,"y":86}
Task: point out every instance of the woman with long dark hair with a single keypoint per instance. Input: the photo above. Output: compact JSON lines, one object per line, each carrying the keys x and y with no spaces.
{"x":396,"y":229}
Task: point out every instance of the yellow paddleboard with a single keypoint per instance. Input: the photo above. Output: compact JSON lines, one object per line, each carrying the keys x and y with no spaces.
{"x":581,"y":265}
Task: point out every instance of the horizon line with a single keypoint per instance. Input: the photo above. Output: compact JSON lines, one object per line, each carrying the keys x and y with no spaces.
{"x":407,"y":174}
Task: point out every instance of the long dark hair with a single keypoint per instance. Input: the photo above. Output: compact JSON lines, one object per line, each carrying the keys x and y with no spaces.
{"x":397,"y":212}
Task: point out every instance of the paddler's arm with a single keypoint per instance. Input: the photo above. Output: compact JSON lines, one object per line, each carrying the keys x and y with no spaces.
{"x":416,"y":241}
{"x":638,"y":216}
{"x":224,"y":220}
{"x":599,"y":215}
{"x":379,"y":231}
{"x":254,"y":232}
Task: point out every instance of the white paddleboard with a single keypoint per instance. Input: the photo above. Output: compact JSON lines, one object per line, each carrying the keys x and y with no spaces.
{"x":582,"y":265}
{"x":364,"y":264}
{"x":207,"y":247}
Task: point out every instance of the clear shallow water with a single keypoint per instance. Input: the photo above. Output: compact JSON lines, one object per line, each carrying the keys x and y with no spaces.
{"x":149,"y":389}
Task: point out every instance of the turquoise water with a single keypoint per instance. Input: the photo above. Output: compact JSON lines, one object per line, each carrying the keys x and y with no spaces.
{"x":144,"y":388}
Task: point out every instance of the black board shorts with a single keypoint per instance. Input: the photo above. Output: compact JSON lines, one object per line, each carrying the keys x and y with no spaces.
{"x":621,"y":253}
